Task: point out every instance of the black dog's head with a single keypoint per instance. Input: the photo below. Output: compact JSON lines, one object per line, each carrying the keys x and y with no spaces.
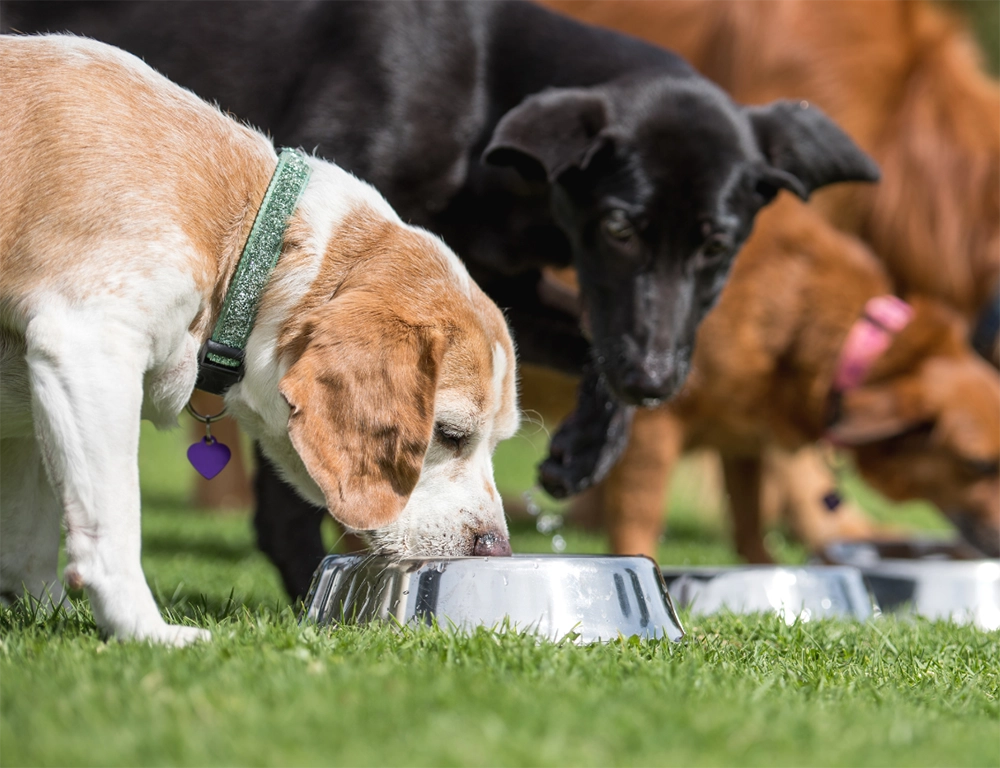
{"x":656,"y":181}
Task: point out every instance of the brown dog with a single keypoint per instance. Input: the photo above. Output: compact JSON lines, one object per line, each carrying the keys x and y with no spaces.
{"x":916,"y":99}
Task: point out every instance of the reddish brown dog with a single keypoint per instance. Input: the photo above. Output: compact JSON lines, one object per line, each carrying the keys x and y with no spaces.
{"x":917,"y":100}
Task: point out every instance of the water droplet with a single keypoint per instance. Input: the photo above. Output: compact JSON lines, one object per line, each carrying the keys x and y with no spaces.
{"x":530,"y":504}
{"x":406,"y":591}
{"x":558,"y":543}
{"x":549,"y":523}
{"x":505,"y":583}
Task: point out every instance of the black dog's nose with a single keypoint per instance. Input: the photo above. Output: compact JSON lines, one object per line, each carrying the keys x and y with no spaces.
{"x":491,"y":545}
{"x":640,"y":389}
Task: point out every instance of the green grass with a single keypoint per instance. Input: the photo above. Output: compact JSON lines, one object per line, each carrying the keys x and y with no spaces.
{"x":267,"y":691}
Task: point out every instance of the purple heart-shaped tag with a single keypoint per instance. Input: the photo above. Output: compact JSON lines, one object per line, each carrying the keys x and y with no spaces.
{"x":209,"y":457}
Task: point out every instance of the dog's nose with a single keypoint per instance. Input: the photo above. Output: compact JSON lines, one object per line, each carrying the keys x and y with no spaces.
{"x":638,"y":388}
{"x":491,"y":545}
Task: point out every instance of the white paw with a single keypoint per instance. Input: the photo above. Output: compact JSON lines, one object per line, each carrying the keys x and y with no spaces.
{"x":173,"y":635}
{"x":186,"y":635}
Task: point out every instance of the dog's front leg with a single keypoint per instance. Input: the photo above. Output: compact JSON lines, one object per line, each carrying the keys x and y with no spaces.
{"x":742,"y":475}
{"x":86,"y":387}
{"x":590,"y":440}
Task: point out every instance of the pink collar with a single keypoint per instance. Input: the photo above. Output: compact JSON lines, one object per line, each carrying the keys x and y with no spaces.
{"x":869,"y":338}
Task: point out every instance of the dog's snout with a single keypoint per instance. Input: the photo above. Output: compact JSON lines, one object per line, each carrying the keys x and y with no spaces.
{"x":640,"y":388}
{"x":491,"y":544}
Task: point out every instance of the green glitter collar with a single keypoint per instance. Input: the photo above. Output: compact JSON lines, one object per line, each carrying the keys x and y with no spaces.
{"x":220,"y":362}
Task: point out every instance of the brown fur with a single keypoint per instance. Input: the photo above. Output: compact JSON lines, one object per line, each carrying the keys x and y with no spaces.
{"x":215,"y":212}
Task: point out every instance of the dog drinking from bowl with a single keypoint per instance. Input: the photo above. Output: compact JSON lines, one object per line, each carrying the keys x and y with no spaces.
{"x":377,"y":376}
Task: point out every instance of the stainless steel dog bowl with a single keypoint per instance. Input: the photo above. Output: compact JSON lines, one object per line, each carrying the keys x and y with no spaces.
{"x":793,"y":592}
{"x":965,"y":591}
{"x":866,"y":553}
{"x":595,"y":597}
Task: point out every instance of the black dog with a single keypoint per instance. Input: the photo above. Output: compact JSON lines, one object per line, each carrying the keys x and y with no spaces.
{"x":600,"y":151}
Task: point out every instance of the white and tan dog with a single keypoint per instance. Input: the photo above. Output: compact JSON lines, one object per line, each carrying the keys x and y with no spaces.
{"x":378,"y":376}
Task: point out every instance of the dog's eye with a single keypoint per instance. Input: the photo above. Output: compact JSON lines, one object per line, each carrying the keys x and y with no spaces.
{"x":451,"y":437}
{"x":713,"y":251}
{"x":616,"y":225}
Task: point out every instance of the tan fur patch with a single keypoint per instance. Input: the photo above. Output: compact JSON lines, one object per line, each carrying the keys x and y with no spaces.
{"x":184,"y":176}
{"x":382,"y":330}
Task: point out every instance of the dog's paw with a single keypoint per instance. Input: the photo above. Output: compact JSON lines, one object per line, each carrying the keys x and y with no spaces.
{"x":561,"y":479}
{"x":173,"y":635}
{"x":578,"y":460}
{"x":178,"y":637}
{"x":588,"y":444}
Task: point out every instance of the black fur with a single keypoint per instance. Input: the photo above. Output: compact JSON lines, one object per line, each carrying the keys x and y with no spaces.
{"x":600,"y":151}
{"x":589,"y":442}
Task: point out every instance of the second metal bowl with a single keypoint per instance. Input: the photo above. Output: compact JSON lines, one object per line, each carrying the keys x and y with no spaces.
{"x":793,"y":592}
{"x":588,"y":598}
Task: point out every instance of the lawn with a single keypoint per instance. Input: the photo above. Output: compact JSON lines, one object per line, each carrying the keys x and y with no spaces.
{"x":266,"y":691}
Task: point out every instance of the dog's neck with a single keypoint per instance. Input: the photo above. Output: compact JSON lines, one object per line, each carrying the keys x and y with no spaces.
{"x":232,"y":222}
{"x":870,"y":336}
{"x":220,"y":363}
{"x":921,"y":330}
{"x":326,"y":207}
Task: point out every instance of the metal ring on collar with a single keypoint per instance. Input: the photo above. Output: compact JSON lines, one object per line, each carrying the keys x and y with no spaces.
{"x":201,"y":417}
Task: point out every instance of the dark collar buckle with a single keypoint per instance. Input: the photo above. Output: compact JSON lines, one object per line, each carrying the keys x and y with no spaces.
{"x":219,"y":367}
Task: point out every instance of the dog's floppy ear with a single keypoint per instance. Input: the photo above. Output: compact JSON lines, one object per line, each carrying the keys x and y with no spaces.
{"x":362,"y":411}
{"x":550,"y":132}
{"x":873,"y":413}
{"x":802,"y":142}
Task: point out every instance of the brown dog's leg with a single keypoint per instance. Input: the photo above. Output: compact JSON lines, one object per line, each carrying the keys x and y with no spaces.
{"x":230,"y":489}
{"x":635,"y":490}
{"x":805,"y":481}
{"x":743,"y":484}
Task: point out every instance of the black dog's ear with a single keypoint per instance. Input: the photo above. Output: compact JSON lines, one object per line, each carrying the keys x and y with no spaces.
{"x":800,"y":140}
{"x":550,"y":132}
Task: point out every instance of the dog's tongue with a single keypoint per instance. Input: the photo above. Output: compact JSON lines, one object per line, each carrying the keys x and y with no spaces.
{"x":209,"y":457}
